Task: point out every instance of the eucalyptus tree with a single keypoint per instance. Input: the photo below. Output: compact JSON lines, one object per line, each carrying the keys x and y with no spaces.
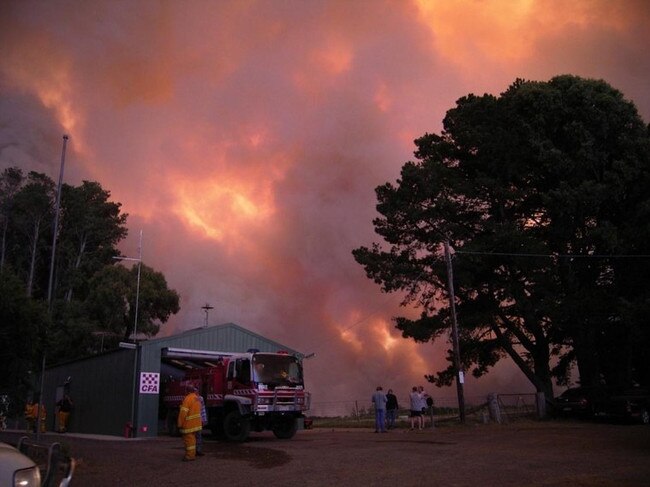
{"x":94,"y":297}
{"x":32,"y":217}
{"x":91,"y":228}
{"x":10,"y":182}
{"x":111,"y":301}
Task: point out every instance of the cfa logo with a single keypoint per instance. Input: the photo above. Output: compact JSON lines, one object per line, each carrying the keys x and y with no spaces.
{"x":149,"y":382}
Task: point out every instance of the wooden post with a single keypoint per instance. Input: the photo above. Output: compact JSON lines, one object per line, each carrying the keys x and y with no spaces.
{"x":460,"y":379}
{"x":540,"y":400}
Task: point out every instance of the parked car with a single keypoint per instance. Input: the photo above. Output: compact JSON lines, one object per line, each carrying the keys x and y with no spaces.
{"x":626,"y":403}
{"x":17,"y":469}
{"x":579,"y":401}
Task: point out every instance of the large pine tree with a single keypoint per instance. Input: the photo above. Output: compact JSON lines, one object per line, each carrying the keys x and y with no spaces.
{"x":542,"y":193}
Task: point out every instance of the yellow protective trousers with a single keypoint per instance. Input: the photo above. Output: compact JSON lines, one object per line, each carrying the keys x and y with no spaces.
{"x":63,"y":421}
{"x":189,"y":439}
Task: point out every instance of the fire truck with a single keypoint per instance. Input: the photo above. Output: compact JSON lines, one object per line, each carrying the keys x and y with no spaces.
{"x":243,"y":392}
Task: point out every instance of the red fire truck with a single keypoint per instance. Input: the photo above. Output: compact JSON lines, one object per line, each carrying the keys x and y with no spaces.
{"x":255,"y":391}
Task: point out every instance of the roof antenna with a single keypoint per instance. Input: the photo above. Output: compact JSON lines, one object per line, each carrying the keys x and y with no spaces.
{"x":206,"y":308}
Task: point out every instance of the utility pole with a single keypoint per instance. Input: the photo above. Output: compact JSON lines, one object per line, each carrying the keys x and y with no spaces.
{"x":55,"y":233}
{"x":460,"y":379}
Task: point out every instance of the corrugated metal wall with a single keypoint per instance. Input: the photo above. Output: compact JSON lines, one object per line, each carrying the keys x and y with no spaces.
{"x":100,"y":388}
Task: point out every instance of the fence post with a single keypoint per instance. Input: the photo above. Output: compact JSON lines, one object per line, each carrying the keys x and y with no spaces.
{"x":493,"y":407}
{"x":356,"y":409}
{"x":540,"y":399}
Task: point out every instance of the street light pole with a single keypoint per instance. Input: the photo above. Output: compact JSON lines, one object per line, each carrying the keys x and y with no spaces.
{"x":137,"y":289}
{"x":134,"y":428}
{"x":460,"y":379}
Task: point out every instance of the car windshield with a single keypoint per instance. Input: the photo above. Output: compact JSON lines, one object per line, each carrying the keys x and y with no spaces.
{"x":277,"y":370}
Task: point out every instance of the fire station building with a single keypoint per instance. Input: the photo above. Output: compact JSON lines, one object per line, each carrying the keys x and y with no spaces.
{"x":118,"y":392}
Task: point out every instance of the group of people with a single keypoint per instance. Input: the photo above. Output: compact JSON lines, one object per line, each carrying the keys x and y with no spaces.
{"x":386,"y":407}
{"x":192,"y":417}
{"x":36,"y":414}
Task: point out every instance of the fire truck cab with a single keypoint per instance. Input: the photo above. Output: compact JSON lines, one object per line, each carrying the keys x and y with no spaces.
{"x":243,"y":392}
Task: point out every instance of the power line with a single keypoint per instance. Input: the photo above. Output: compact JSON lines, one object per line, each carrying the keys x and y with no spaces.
{"x":549,"y":256}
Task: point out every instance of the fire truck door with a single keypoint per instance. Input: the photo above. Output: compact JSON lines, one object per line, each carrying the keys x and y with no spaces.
{"x":239,"y":373}
{"x":216,"y":386}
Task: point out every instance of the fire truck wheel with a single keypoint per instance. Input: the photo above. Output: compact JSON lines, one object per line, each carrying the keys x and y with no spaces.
{"x":285,"y":429}
{"x":236,"y":427}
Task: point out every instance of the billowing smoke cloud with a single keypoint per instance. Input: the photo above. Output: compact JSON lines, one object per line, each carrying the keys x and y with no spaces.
{"x":246,"y":139}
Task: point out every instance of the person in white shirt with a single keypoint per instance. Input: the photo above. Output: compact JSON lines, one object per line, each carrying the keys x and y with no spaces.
{"x":379,"y":401}
{"x":415,"y":408}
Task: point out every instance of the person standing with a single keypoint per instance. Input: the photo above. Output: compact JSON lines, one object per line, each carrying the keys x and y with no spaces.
{"x":189,"y":422}
{"x":391,"y":409}
{"x":40,"y":414}
{"x":423,"y":405}
{"x":64,"y":407}
{"x":199,"y":433}
{"x":379,"y":400}
{"x":30,"y":415}
{"x":415,"y":408}
{"x":429,"y":401}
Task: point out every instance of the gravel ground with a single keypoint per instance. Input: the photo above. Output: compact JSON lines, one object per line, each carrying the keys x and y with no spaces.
{"x":552,"y":453}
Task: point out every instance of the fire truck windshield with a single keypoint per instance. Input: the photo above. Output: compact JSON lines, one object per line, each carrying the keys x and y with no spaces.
{"x":277,"y":370}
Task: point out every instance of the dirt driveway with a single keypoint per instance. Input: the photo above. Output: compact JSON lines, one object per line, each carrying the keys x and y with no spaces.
{"x":554,"y":453}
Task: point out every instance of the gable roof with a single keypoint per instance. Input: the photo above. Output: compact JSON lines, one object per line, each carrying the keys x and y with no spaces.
{"x":227,"y":337}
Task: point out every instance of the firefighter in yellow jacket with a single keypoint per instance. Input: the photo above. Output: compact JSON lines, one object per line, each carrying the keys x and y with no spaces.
{"x":40,"y":415}
{"x":32,"y":416}
{"x":189,"y":422}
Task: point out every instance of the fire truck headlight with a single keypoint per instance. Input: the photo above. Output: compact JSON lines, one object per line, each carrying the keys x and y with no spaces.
{"x":300,"y":400}
{"x":264,"y":400}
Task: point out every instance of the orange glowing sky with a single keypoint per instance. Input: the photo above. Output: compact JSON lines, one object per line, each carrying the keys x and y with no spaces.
{"x":245,"y":138}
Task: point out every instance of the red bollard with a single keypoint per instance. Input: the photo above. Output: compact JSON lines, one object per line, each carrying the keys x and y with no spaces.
{"x":128,"y":429}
